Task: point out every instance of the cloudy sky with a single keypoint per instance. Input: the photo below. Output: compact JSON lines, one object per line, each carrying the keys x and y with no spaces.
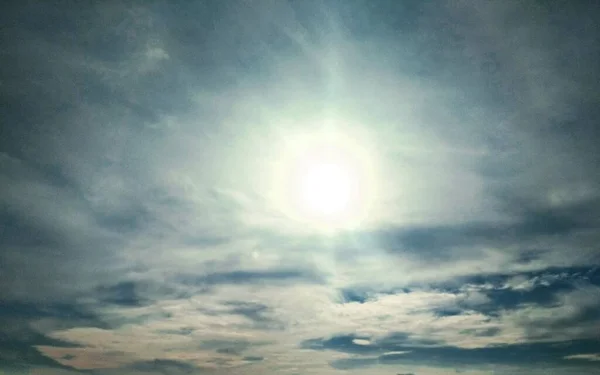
{"x":299,"y":187}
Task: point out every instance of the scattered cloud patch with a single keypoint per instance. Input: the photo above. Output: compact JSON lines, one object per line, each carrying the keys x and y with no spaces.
{"x":584,"y":357}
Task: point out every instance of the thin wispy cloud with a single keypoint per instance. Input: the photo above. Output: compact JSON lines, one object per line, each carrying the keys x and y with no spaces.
{"x":305,"y":187}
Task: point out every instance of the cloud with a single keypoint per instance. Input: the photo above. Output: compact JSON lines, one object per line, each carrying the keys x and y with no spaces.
{"x":138,"y":232}
{"x":164,"y":366}
{"x":455,"y":357}
{"x":584,"y":357}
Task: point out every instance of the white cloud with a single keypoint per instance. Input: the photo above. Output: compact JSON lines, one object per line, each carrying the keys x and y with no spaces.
{"x":585,"y":357}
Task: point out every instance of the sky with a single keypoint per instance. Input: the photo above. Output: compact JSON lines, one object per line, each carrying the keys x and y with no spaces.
{"x":160,"y":214}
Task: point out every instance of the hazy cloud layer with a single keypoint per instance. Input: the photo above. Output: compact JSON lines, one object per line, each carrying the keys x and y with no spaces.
{"x":138,"y":229}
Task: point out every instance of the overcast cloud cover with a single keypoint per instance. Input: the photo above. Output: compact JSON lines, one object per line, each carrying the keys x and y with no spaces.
{"x":138,"y":139}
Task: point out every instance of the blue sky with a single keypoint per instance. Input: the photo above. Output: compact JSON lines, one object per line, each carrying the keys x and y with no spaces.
{"x":147,"y":178}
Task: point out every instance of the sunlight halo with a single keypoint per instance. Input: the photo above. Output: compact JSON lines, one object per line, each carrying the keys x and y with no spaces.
{"x":324,"y":181}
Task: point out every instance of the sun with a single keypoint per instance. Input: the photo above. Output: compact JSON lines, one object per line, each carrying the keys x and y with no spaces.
{"x":326,"y":189}
{"x":323,"y":181}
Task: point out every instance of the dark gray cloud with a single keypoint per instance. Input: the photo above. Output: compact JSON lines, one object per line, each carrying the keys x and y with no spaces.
{"x":391,"y":350}
{"x":252,"y":277}
{"x":19,"y":335}
{"x":164,"y":366}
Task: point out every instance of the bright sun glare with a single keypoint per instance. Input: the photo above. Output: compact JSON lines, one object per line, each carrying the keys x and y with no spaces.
{"x":326,"y":188}
{"x":324,"y":181}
